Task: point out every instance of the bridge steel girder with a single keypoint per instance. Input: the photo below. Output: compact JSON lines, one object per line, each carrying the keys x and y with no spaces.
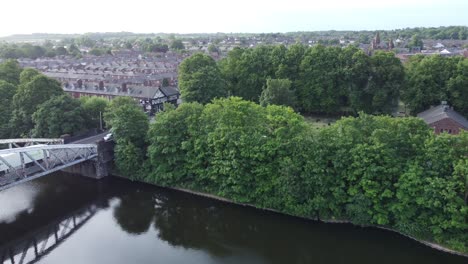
{"x":13,"y":143}
{"x":52,"y":158}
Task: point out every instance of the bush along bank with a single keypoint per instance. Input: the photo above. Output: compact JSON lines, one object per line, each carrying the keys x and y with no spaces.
{"x":370,"y":170}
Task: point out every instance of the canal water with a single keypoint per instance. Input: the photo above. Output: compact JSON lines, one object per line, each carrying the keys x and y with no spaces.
{"x":63,"y":218}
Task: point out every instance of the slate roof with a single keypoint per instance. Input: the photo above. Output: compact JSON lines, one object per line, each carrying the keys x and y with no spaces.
{"x":169,"y":91}
{"x":440,"y":112}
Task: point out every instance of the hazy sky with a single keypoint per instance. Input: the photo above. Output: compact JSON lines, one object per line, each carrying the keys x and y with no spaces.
{"x":188,"y":16}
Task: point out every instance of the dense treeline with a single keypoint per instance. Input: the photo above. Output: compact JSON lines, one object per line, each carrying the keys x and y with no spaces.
{"x":371,"y":170}
{"x":329,"y":80}
{"x":435,"y":78}
{"x":448,"y":32}
{"x":33,"y":105}
{"x":322,"y":79}
{"x":16,"y":51}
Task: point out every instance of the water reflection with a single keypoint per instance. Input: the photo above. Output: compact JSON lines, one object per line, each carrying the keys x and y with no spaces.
{"x":137,"y":223}
{"x":21,"y":202}
{"x":226,"y":231}
{"x":135,"y":212}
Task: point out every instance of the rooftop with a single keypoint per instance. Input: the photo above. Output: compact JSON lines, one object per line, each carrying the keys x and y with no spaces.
{"x":440,"y":112}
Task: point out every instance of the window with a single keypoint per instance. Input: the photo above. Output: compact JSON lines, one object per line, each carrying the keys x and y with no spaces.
{"x":450,"y":131}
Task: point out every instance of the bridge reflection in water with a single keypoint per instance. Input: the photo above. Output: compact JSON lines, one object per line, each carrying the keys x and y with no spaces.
{"x":32,"y":247}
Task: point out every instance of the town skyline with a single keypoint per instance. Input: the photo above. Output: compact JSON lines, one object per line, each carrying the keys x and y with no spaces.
{"x":207,"y":16}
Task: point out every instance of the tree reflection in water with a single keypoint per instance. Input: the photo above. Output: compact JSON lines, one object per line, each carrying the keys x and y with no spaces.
{"x":218,"y":228}
{"x":224,"y":230}
{"x":135,"y":211}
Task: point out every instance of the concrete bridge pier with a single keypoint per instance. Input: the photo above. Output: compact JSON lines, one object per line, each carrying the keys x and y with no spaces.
{"x":97,"y":168}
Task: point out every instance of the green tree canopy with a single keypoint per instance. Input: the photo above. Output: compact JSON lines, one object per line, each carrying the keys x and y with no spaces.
{"x":7,"y":91}
{"x":94,"y":108}
{"x":10,"y":71}
{"x":416,"y":41}
{"x":27,"y":75}
{"x":130,"y":126}
{"x":278,"y":92}
{"x":110,"y":111}
{"x":433,"y":79}
{"x":57,"y":116}
{"x":28,"y":98}
{"x":177,"y":44}
{"x":130,"y":123}
{"x":457,"y":88}
{"x":386,"y":80}
{"x":200,"y":79}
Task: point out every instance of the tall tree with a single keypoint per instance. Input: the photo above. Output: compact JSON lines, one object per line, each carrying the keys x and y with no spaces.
{"x":278,"y":92}
{"x":386,"y":80}
{"x":27,"y":75}
{"x":247,"y":70}
{"x":116,"y":103}
{"x":130,"y":126}
{"x":321,"y":85}
{"x":200,"y":79}
{"x":457,"y":88}
{"x":416,"y":41}
{"x":130,"y":123}
{"x":177,"y":44}
{"x":94,"y":108}
{"x":10,"y":71}
{"x":7,"y":91}
{"x":28,"y":98}
{"x":57,"y":116}
{"x":427,"y":81}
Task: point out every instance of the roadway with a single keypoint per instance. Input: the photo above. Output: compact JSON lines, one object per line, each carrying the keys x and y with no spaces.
{"x":90,"y":140}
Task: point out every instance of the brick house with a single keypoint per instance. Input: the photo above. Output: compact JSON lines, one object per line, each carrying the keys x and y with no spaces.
{"x":443,"y":118}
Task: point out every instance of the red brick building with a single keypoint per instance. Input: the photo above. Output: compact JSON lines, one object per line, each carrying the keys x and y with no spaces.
{"x":443,"y":118}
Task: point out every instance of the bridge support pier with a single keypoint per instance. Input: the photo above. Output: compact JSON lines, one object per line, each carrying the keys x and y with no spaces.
{"x":97,"y":168}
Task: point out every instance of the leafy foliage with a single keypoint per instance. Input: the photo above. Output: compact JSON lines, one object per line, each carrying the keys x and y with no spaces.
{"x":95,"y":108}
{"x":116,"y":103}
{"x":433,"y":79}
{"x":129,"y":126}
{"x":324,"y":79}
{"x":10,"y":71}
{"x":372,"y":170}
{"x":24,"y":94}
{"x":200,"y":79}
{"x":177,"y":44}
{"x":278,"y":92}
{"x":28,"y":98}
{"x":57,"y":116}
{"x":7,"y":91}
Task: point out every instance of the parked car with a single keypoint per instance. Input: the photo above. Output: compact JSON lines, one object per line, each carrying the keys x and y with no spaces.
{"x":108,"y":137}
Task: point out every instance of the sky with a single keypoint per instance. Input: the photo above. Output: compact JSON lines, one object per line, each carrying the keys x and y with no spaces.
{"x":210,"y":16}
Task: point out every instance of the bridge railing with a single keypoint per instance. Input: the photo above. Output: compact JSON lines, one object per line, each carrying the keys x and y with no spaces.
{"x":26,"y":142}
{"x":18,"y":165}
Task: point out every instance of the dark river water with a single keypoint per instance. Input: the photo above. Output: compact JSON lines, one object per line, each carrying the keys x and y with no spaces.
{"x":67,"y":219}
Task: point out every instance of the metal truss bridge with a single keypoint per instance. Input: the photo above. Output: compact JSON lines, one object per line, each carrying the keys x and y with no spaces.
{"x":34,"y":246}
{"x":28,"y":159}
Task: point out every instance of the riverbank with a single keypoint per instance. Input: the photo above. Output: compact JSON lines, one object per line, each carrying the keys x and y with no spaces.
{"x":427,"y":243}
{"x":222,"y":199}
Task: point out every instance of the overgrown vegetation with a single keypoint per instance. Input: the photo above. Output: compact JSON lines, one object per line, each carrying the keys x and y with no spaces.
{"x":371,"y":170}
